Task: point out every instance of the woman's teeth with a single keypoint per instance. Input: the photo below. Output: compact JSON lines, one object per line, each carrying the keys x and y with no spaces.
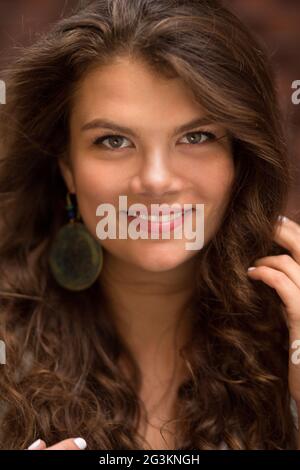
{"x":156,"y":218}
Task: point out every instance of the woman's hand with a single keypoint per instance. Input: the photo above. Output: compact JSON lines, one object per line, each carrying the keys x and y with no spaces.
{"x":282,"y":272}
{"x":68,"y":444}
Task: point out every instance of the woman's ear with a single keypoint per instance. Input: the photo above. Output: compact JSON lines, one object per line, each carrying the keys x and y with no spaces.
{"x":67,"y":173}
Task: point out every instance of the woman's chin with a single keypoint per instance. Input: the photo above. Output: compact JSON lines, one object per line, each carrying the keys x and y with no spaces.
{"x":159,"y":261}
{"x":154,"y":256}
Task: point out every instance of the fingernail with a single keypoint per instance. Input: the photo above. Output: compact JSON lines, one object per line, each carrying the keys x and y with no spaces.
{"x":251,"y":268}
{"x":35,"y":444}
{"x":80,"y":443}
{"x":282,"y":218}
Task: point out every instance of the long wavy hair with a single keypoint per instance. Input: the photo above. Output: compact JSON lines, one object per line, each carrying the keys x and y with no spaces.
{"x":61,"y":377}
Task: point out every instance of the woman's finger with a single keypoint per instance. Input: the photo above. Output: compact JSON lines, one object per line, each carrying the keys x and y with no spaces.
{"x":287,"y":235}
{"x":69,"y":444}
{"x":283,"y":263}
{"x":37,"y":445}
{"x":286,"y":289}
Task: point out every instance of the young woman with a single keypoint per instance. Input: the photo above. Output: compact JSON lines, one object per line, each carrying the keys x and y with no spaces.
{"x":130,"y":343}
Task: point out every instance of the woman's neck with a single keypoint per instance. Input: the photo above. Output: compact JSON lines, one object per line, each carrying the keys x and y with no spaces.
{"x":150,"y":309}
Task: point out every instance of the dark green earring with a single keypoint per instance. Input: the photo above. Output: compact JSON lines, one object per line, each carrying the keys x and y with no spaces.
{"x":76,"y":258}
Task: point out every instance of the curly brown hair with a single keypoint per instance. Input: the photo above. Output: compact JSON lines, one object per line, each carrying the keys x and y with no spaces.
{"x":238,"y":355}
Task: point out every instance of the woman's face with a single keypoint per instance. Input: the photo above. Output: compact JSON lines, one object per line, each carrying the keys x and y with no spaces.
{"x":151,"y":162}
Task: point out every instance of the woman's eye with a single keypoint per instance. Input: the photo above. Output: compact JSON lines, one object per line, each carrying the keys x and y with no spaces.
{"x":115,"y":141}
{"x":200,"y":137}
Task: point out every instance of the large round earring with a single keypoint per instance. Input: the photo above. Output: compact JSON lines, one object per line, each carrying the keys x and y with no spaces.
{"x":76,"y":258}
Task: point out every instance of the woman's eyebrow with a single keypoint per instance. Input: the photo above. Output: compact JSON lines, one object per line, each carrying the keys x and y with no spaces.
{"x":107,"y":124}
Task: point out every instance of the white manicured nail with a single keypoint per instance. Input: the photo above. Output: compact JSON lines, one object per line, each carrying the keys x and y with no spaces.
{"x":251,"y":268}
{"x":35,"y":444}
{"x":282,"y":218}
{"x":80,"y":443}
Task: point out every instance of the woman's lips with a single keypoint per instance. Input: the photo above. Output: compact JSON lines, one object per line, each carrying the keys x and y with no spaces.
{"x":149,"y":226}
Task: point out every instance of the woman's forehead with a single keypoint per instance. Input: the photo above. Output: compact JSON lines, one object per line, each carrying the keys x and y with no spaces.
{"x":130,"y":91}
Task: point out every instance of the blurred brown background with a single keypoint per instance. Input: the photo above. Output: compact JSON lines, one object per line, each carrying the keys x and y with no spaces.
{"x":275,"y":22}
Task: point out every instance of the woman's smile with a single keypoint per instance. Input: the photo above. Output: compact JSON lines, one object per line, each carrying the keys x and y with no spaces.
{"x":160,"y":223}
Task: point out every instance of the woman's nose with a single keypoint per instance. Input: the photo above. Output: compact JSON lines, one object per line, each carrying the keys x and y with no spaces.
{"x":156,"y":175}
